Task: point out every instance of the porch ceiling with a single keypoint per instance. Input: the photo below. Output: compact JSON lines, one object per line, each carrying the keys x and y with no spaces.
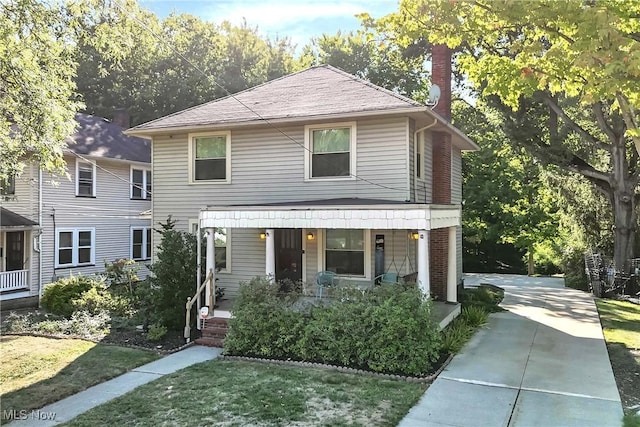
{"x":334,"y":213}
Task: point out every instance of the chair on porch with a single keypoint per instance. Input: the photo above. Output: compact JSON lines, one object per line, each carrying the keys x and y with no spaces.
{"x":324,"y":279}
{"x":386,"y":279}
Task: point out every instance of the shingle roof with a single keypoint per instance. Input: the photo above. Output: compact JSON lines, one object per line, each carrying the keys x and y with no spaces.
{"x":12,"y":219}
{"x":316,"y":91}
{"x":98,"y":137}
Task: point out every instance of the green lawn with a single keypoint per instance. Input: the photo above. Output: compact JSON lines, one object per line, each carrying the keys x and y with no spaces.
{"x":620,"y":322}
{"x":245,"y":393}
{"x":36,"y":371}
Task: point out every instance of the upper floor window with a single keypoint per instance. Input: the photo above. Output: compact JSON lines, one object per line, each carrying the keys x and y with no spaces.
{"x":74,"y":247}
{"x":8,"y":186}
{"x":140,"y":183}
{"x":210,"y":157}
{"x":419,"y":150}
{"x":140,"y":243}
{"x":330,"y":151}
{"x":85,"y":179}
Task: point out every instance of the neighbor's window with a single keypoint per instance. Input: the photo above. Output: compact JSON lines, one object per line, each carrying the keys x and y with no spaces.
{"x":74,"y":247}
{"x":331,"y":151}
{"x":140,"y":183}
{"x":345,"y":252}
{"x":85,"y":179}
{"x":211,"y":157}
{"x":140,"y":243}
{"x":8,"y":186}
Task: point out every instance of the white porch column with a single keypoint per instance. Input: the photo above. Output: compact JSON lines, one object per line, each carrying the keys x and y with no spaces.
{"x":423,"y":262}
{"x":270,"y":269}
{"x":210,"y":265}
{"x":452,"y":273}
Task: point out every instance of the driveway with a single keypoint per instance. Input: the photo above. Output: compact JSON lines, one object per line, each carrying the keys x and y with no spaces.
{"x":541,"y":363}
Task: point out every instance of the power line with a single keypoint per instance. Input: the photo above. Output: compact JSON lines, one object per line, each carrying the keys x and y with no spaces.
{"x":212,"y":80}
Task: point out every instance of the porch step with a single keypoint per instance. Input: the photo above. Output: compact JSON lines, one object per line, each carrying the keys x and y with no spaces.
{"x":214,"y":331}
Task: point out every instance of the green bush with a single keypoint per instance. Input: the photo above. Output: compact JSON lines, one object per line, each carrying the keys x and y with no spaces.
{"x":99,"y":299}
{"x":474,"y":316}
{"x":455,"y":336}
{"x":484,"y":296}
{"x":574,"y":268}
{"x":386,"y":330}
{"x":58,"y":297}
{"x":156,"y":332}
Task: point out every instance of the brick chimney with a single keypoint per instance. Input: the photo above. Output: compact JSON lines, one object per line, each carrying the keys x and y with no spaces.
{"x":122,"y":118}
{"x":441,"y":169}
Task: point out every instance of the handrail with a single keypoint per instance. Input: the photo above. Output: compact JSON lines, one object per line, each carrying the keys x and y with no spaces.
{"x":192,"y":300}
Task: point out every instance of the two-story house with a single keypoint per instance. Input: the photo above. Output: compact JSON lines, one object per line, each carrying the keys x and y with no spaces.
{"x":316,"y":171}
{"x":52,"y":227}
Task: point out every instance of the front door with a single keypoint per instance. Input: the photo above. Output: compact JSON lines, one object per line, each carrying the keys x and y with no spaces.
{"x":15,"y":251}
{"x":288,"y":242}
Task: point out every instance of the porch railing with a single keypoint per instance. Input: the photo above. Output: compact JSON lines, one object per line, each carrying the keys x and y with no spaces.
{"x":12,"y":280}
{"x":192,"y":300}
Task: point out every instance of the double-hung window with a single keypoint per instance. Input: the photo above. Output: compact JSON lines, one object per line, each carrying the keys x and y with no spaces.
{"x":330,"y":151}
{"x":75,"y":247}
{"x":210,"y":156}
{"x":140,"y":183}
{"x":346,"y":252}
{"x":221,"y":242}
{"x":140,"y":243}
{"x":85,"y":179}
{"x":8,"y":186}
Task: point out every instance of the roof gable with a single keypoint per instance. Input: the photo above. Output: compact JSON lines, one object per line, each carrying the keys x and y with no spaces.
{"x":316,"y":91}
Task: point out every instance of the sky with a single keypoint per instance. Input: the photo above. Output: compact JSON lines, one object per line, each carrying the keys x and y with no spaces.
{"x":299,"y":20}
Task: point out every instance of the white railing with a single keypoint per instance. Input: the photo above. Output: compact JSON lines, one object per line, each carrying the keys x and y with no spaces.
{"x":11,"y":280}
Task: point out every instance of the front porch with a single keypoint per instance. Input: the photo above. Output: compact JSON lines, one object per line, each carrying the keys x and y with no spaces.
{"x":16,"y":235}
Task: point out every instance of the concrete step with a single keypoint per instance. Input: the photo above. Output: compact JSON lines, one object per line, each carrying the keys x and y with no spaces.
{"x":210,"y":342}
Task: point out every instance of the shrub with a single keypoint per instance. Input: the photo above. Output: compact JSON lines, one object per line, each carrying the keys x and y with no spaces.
{"x":81,"y":324}
{"x":386,"y":330}
{"x":574,"y":268}
{"x":474,"y":316}
{"x":58,"y":296}
{"x":455,"y":336}
{"x":99,"y":299}
{"x":485,"y":296}
{"x":156,"y":332}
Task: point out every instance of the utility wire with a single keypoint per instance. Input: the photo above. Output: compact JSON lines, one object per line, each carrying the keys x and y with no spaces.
{"x":212,"y":80}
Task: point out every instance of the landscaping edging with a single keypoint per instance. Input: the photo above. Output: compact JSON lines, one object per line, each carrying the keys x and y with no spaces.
{"x":426,"y":380}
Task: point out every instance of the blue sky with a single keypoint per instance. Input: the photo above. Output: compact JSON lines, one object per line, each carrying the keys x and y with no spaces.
{"x":298,"y":20}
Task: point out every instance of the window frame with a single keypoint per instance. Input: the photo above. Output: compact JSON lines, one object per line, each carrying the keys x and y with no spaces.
{"x":75,"y":246}
{"x":193,"y":222}
{"x":419,"y":149}
{"x":308,"y":152}
{"x":192,"y":158}
{"x":8,"y":187}
{"x":93,"y":178}
{"x":146,"y":176}
{"x":145,"y":250}
{"x":322,"y":257}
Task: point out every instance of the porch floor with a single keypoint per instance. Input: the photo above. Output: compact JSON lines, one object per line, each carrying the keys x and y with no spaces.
{"x":442,"y":312}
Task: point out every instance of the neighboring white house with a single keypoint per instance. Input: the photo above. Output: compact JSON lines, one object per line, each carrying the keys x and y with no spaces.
{"x":318,"y":170}
{"x":56,"y":226}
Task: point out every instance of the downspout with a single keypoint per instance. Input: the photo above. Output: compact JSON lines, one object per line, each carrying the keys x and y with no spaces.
{"x":39,"y":246}
{"x":415,"y":138}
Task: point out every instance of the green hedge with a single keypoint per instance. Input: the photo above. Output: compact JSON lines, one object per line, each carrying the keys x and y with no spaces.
{"x":389,"y":329}
{"x":58,"y":297}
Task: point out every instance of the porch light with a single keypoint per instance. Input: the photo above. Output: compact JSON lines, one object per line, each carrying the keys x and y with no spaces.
{"x":414,"y":235}
{"x":263,"y":236}
{"x":310,"y":236}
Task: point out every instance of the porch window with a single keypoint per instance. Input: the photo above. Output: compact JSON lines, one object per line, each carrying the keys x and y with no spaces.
{"x":140,"y":243}
{"x":85,"y":179}
{"x":8,"y":186}
{"x":221,"y":243}
{"x":330,"y":151}
{"x":345,"y":252}
{"x":74,"y":247}
{"x":210,"y":156}
{"x":140,"y":183}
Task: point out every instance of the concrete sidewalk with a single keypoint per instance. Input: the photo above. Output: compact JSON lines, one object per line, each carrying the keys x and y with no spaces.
{"x":72,"y":406}
{"x":542,"y":363}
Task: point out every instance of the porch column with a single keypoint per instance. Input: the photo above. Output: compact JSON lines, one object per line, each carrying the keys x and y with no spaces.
{"x":210,"y":265}
{"x":423,"y":262}
{"x":452,"y":273}
{"x":270,"y":269}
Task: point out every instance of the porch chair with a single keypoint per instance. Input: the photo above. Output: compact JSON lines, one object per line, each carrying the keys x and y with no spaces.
{"x":324,"y":279}
{"x":386,"y":279}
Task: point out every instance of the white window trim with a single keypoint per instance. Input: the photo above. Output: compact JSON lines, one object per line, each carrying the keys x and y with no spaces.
{"x":322,"y":244}
{"x":419,"y":143}
{"x":75,"y":246}
{"x":192,"y":158}
{"x":144,"y":169}
{"x":194,"y":221}
{"x":95,"y":177}
{"x":309,"y":148}
{"x":145,"y":255}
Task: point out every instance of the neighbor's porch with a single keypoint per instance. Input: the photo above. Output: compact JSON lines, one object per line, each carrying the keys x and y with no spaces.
{"x":16,"y":235}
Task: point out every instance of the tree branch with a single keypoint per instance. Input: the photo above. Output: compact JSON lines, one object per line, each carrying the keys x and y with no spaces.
{"x":573,"y":125}
{"x":628,"y":114}
{"x":602,"y":121}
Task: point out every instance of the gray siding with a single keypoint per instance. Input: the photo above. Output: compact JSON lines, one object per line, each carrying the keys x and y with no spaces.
{"x":112,"y":213}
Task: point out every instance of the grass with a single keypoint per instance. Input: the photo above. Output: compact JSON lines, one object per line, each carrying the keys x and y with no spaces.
{"x":235,"y":393}
{"x":620,"y":322}
{"x":36,"y":371}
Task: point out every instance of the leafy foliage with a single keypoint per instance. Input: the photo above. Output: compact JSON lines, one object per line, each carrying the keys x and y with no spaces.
{"x":484,"y":296}
{"x":58,"y":297}
{"x":388,"y":330}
